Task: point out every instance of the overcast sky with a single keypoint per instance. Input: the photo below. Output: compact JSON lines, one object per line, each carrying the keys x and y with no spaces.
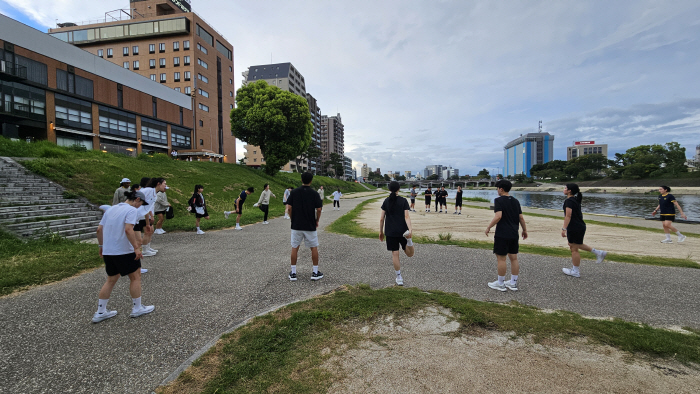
{"x":451,"y":82}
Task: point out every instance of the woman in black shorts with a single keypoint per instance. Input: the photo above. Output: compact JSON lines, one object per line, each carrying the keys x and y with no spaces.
{"x":198,"y":206}
{"x":458,"y":200}
{"x":574,"y":230}
{"x":398,"y":228}
{"x":668,"y":205}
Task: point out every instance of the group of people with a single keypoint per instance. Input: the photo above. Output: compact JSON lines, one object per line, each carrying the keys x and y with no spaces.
{"x":440,"y":199}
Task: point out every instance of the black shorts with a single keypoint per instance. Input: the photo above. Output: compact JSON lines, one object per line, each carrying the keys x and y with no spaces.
{"x":205,"y":214}
{"x":427,"y":200}
{"x":140,"y":225}
{"x":670,"y":218}
{"x":458,"y":203}
{"x":160,"y":213}
{"x":413,"y":201}
{"x":443,"y":202}
{"x":240,"y":210}
{"x":123,"y":265}
{"x":505,"y":246}
{"x":575,"y":236}
{"x":393,"y":243}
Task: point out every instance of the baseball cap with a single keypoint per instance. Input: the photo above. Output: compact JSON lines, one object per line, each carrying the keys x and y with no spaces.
{"x":142,"y":196}
{"x":125,"y":180}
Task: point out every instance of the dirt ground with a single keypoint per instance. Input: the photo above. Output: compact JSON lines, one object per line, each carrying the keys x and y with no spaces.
{"x":425,"y":354}
{"x":472,"y":223}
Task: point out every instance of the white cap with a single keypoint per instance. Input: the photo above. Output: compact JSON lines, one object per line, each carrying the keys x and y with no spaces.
{"x":125,"y":180}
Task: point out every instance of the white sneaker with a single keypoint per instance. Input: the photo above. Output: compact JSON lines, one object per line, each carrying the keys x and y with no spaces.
{"x":98,"y":317}
{"x":200,"y":232}
{"x":496,"y":286}
{"x":148,"y":253}
{"x":144,"y":270}
{"x":143,"y":310}
{"x":681,"y":238}
{"x":150,"y":249}
{"x":510,"y":285}
{"x":399,"y":280}
{"x":266,"y":222}
{"x":668,"y":241}
{"x":239,"y":228}
{"x":601,"y":256}
{"x":571,"y":272}
{"x":159,"y":231}
{"x":226,"y":213}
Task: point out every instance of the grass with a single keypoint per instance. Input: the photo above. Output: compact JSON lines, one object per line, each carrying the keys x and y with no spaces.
{"x":285,"y":351}
{"x":346,"y":224}
{"x":476,"y":199}
{"x":36,"y":262}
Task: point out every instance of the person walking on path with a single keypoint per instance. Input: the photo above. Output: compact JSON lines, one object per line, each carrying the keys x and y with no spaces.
{"x":336,"y":199}
{"x":508,"y":215}
{"x":443,"y":198}
{"x":150,"y":190}
{"x":458,"y":200}
{"x":239,"y":206}
{"x":395,"y":222}
{"x":414,"y":194}
{"x":120,"y":249}
{"x":264,"y":201}
{"x":199,"y":206}
{"x":119,"y":196}
{"x":668,"y":213}
{"x":322,"y":194}
{"x":304,"y":206}
{"x":284,"y":201}
{"x":160,"y":207}
{"x":428,"y":195}
{"x":574,"y":230}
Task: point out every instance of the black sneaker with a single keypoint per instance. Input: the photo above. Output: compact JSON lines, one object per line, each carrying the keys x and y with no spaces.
{"x":316,"y":275}
{"x":292,"y":277}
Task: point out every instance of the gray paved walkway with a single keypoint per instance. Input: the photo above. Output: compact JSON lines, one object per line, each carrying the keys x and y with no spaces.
{"x":203,"y":285}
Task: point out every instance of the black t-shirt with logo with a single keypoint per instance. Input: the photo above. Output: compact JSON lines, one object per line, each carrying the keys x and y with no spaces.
{"x":666,"y":204}
{"x":428,"y":195}
{"x":510,"y":210}
{"x":576,"y":223}
{"x":304,"y":201}
{"x":395,"y":220}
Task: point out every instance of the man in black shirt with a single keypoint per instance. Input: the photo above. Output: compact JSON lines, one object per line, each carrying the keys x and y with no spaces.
{"x":304,"y":205}
{"x":396,"y":223}
{"x":505,"y":242}
{"x":428,"y":196}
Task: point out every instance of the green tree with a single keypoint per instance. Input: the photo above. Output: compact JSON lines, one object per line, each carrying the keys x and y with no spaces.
{"x":433,"y":177}
{"x":401,"y":178}
{"x":277,"y":121}
{"x":483,"y":174}
{"x":386,"y":177}
{"x":335,"y":163}
{"x":311,"y":153}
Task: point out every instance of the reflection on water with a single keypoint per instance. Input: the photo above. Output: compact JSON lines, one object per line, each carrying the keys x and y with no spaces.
{"x":634,"y":205}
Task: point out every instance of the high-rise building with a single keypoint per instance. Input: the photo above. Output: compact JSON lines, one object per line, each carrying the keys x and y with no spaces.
{"x":527,"y":150}
{"x":432,"y":170}
{"x":449,"y":172}
{"x":165,"y":41}
{"x":407,"y":174}
{"x":315,"y":162}
{"x":365,"y":170}
{"x":347,"y":165}
{"x":332,"y":136}
{"x":51,"y":90}
{"x":583,"y":148}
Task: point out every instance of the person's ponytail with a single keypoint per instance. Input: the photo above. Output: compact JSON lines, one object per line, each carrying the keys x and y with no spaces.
{"x":393,"y":188}
{"x":575,"y":191}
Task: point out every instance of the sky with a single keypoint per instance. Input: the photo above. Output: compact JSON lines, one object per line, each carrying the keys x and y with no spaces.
{"x":451,"y":82}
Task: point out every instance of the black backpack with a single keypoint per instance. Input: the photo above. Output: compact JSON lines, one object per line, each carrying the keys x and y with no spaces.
{"x":169,"y":213}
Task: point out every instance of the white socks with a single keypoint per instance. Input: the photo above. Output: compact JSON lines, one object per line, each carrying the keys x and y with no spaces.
{"x":501,"y":279}
{"x":198,"y":229}
{"x":137,"y":302}
{"x":668,"y":236}
{"x":315,"y":269}
{"x":102,"y":306}
{"x":398,"y":273}
{"x":409,"y":241}
{"x":513,"y":278}
{"x":574,"y":269}
{"x":678,"y":233}
{"x":294,"y":269}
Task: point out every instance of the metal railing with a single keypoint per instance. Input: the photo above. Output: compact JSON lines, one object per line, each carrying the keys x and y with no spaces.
{"x":12,"y":69}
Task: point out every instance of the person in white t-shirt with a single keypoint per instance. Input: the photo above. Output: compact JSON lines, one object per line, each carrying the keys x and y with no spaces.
{"x":146,"y":216}
{"x":336,"y":199}
{"x":119,"y":247}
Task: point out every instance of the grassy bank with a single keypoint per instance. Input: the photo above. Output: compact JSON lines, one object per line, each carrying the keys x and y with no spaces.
{"x":284,"y":351}
{"x":346,"y":224}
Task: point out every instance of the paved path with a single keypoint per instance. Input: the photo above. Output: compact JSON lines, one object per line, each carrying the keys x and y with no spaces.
{"x":204,"y":285}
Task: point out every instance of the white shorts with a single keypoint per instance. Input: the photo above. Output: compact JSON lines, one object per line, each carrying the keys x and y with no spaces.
{"x":310,"y":238}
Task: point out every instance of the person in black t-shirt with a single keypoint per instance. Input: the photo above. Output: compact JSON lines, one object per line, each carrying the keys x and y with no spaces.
{"x":398,"y":229}
{"x":438,"y":199}
{"x":667,"y":205}
{"x":428,"y":195}
{"x":574,"y":230}
{"x":458,"y":200}
{"x":443,"y":198}
{"x":304,"y":205}
{"x":508,"y":217}
{"x":239,"y":206}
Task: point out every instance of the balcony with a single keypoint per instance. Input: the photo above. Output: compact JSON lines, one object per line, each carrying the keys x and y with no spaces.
{"x":12,"y":72}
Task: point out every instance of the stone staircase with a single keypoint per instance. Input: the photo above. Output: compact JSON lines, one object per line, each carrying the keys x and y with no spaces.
{"x":32,"y":206}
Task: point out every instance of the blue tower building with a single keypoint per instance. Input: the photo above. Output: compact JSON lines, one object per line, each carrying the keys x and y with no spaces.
{"x":527,"y":150}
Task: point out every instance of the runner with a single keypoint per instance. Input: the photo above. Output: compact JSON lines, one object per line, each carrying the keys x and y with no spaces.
{"x":414,"y":194}
{"x":321,"y":193}
{"x":160,"y":207}
{"x":119,"y":196}
{"x":198,"y":206}
{"x":264,"y":201}
{"x":239,"y":206}
{"x":304,"y":206}
{"x":575,"y":228}
{"x":505,"y":241}
{"x":458,"y":200}
{"x":398,"y":228}
{"x":120,"y":249}
{"x":428,"y":195}
{"x":336,"y":198}
{"x":284,"y":201}
{"x":443,"y":199}
{"x":668,"y":214}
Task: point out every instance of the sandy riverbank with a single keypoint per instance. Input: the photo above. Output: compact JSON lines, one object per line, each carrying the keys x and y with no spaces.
{"x":472,"y":223}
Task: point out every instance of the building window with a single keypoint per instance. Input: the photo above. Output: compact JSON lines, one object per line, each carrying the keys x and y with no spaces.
{"x":71,"y":83}
{"x":203,"y":107}
{"x":125,"y":51}
{"x":187,"y":60}
{"x":176,"y":46}
{"x":223,"y":50}
{"x":201,"y":141}
{"x":152,"y":63}
{"x":201,"y":123}
{"x":155,"y":107}
{"x":162,"y":63}
{"x":153,"y":131}
{"x":176,"y":62}
{"x":186,"y":45}
{"x":135,"y":50}
{"x":178,"y":89}
{"x":230,"y":69}
{"x":255,"y":160}
{"x":203,"y":78}
{"x":182,"y":118}
{"x":162,"y":77}
{"x":202,"y":63}
{"x":161,"y":47}
{"x":203,"y":49}
{"x":180,"y":137}
{"x":230,"y":94}
{"x":73,"y":113}
{"x":120,"y":96}
{"x":126,"y":65}
{"x":231,"y":106}
{"x":255,"y":152}
{"x":110,"y":52}
{"x":188,"y":90}
{"x":136,"y":64}
{"x":187,"y":75}
{"x":151,"y":48}
{"x":101,"y":53}
{"x":205,"y":36}
{"x":153,"y":77}
{"x":230,"y":81}
{"x":203,"y":93}
{"x":177,"y":77}
{"x":117,"y":122}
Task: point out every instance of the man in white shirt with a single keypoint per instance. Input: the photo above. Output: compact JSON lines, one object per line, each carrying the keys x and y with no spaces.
{"x":119,"y":247}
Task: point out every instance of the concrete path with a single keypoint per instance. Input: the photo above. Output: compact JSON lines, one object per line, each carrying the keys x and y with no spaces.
{"x":204,"y":285}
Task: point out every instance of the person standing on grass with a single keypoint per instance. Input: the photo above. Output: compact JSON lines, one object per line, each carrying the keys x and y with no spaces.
{"x":119,"y":196}
{"x":398,"y":227}
{"x":414,"y":194}
{"x":304,"y":206}
{"x":120,"y":249}
{"x":239,"y":206}
{"x":336,"y":199}
{"x":574,"y":230}
{"x":321,"y":193}
{"x":264,"y":201}
{"x":428,"y":195}
{"x":199,"y":206}
{"x":458,"y":200}
{"x":160,"y":207}
{"x":668,"y":213}
{"x":284,"y":201}
{"x":508,"y":215}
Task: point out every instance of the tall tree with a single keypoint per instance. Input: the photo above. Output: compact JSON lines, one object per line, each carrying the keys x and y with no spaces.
{"x":335,"y":162}
{"x":277,"y":121}
{"x":311,"y":153}
{"x":483,"y":174}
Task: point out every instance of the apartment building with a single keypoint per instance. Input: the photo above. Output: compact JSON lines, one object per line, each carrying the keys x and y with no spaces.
{"x":165,"y":41}
{"x":332,"y":136}
{"x":51,"y":90}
